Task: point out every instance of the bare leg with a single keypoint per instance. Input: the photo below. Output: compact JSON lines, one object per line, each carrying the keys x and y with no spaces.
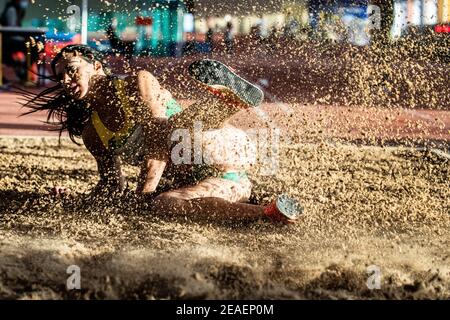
{"x":208,"y":208}
{"x":211,"y":111}
{"x":224,"y":95}
{"x":212,"y":198}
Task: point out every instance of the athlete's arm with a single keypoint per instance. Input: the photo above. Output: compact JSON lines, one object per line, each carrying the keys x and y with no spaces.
{"x":151,"y":173}
{"x":111,"y":177}
{"x":108,"y":164}
{"x":155,"y":98}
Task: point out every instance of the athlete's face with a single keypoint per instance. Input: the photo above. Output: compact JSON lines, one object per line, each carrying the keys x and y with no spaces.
{"x":75,"y":73}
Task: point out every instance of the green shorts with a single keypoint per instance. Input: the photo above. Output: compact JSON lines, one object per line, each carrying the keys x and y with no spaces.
{"x":172,"y":108}
{"x":234,"y":176}
{"x":202,"y":172}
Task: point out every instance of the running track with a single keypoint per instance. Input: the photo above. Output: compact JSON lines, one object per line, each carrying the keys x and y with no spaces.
{"x":342,"y":122}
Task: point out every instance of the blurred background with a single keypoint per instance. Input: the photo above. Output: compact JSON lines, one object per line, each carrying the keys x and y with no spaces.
{"x":377,"y":52}
{"x":176,"y":27}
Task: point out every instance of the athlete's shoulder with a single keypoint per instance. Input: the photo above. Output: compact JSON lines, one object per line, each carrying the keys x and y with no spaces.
{"x":145,"y":76}
{"x":139,"y":77}
{"x":144,"y":73}
{"x":132,"y":80}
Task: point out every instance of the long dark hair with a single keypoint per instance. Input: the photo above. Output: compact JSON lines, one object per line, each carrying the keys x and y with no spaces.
{"x":62,"y":110}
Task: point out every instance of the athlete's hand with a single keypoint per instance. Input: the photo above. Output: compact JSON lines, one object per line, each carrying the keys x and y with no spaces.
{"x":59,"y":191}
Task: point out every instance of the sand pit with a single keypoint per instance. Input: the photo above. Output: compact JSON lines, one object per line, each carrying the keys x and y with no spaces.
{"x":387,"y":207}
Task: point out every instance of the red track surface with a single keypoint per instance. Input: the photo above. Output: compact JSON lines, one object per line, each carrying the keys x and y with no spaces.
{"x":343,"y":122}
{"x":11,"y":124}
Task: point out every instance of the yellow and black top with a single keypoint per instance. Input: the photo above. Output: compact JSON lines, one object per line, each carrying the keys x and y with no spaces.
{"x":113,"y":140}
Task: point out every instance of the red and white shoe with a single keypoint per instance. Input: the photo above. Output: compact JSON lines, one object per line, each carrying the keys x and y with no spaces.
{"x":285,"y":210}
{"x":222,"y":81}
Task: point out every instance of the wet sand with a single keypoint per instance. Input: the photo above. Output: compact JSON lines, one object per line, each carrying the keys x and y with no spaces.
{"x":364,"y":206}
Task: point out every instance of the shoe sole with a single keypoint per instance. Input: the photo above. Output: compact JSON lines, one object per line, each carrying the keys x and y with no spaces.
{"x":221,"y":79}
{"x":290,"y":208}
